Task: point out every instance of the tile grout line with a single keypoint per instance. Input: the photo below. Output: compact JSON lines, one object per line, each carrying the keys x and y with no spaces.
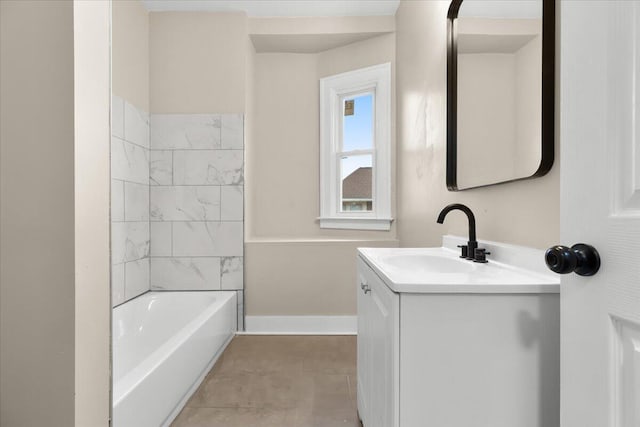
{"x":128,"y":181}
{"x":130,"y":142}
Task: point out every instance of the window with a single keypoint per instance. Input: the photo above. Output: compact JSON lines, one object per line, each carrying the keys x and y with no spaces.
{"x":355,"y":149}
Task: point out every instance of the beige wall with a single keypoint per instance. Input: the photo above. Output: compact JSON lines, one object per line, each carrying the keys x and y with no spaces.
{"x":303,"y":278}
{"x":293,"y":267}
{"x":37,"y":214}
{"x":525,"y":212}
{"x":284,"y":155}
{"x":130,"y":40}
{"x":358,"y":55}
{"x":197,"y":62}
{"x":92,"y":91}
{"x":321,"y":25}
{"x":283,"y":171}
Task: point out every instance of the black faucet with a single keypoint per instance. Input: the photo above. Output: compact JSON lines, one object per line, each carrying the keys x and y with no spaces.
{"x":470,"y":251}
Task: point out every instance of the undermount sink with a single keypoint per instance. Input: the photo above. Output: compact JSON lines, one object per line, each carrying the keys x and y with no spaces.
{"x":441,"y":270}
{"x":428,"y":263}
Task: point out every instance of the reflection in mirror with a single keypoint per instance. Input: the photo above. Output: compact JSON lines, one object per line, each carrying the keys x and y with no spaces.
{"x":496,"y":64}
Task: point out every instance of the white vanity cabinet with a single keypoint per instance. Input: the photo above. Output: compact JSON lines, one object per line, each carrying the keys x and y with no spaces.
{"x":463,"y":354}
{"x":378,"y":341}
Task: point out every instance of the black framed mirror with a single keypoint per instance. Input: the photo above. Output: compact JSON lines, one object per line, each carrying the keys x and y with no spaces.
{"x":500,"y":91}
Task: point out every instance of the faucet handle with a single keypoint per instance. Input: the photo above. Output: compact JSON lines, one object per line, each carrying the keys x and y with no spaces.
{"x":481,"y":255}
{"x":465,"y":251}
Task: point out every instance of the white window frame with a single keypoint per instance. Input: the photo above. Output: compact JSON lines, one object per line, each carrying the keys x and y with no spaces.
{"x":333,"y":89}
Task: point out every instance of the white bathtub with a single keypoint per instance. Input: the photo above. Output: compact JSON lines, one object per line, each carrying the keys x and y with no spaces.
{"x":163,"y":345}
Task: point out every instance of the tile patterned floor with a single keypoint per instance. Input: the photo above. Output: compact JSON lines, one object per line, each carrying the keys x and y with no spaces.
{"x":279,"y":381}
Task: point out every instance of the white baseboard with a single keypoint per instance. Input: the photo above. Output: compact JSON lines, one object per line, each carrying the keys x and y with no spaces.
{"x":301,"y":325}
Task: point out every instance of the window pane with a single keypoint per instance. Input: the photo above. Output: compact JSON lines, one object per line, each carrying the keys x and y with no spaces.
{"x":357,"y":129}
{"x":357,"y":186}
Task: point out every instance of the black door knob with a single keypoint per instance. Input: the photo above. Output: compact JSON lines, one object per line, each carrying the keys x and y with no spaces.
{"x":580,"y":258}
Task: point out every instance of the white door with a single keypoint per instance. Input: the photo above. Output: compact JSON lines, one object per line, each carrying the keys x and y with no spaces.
{"x":600,"y":205}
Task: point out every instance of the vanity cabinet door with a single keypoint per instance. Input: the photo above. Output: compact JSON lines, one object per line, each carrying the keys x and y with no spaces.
{"x":364,"y":349}
{"x":378,"y":351}
{"x":385,"y":353}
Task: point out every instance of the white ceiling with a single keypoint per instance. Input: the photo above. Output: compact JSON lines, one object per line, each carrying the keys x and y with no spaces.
{"x":280,"y":7}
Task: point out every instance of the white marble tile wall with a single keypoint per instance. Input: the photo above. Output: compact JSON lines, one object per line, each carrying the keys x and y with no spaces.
{"x":129,"y":161}
{"x":136,"y":202}
{"x":117,"y":200}
{"x":232,"y":275}
{"x":161,"y":238}
{"x":186,"y":131}
{"x":185,"y":203}
{"x":184,"y":273}
{"x":196,"y":204}
{"x":129,"y":241}
{"x":208,"y":167}
{"x":232,"y":203}
{"x":207,"y":238}
{"x":161,"y":167}
{"x":136,"y":278}
{"x":130,"y":228}
{"x":117,"y":283}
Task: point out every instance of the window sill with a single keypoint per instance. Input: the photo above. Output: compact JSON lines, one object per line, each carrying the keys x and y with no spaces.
{"x":355,"y":223}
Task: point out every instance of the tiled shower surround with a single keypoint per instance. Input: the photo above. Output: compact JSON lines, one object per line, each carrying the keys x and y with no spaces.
{"x":196,"y":202}
{"x":129,"y":201}
{"x":193,"y":215}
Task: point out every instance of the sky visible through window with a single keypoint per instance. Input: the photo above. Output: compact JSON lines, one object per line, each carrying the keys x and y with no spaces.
{"x":357,"y":134}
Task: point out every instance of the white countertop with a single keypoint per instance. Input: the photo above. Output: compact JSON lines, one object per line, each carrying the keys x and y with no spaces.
{"x":440,"y":270}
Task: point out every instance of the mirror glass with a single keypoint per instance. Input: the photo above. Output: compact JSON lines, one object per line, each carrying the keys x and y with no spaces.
{"x":496,"y":93}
